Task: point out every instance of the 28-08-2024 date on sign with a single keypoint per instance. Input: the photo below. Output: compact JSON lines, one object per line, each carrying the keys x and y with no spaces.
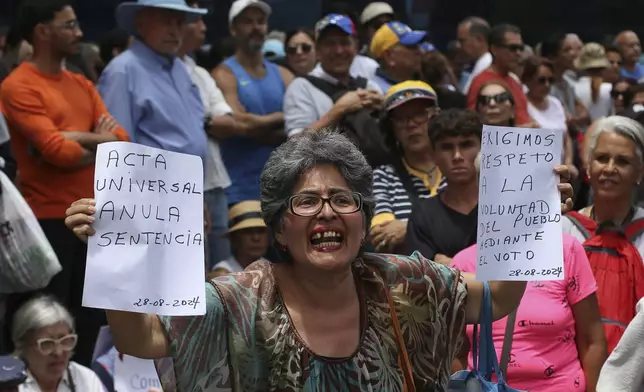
{"x":167,"y":303}
{"x":554,"y":272}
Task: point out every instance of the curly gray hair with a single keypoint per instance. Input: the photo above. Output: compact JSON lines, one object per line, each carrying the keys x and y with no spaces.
{"x":300,"y":154}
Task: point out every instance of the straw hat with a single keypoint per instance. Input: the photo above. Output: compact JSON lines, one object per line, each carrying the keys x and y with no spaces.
{"x":245,"y":215}
{"x":593,"y":55}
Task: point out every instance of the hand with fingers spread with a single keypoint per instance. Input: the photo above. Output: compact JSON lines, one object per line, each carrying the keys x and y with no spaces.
{"x":105,"y":124}
{"x":80,"y":217}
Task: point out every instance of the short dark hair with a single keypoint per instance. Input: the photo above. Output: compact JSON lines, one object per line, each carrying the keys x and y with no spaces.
{"x":34,"y":12}
{"x":454,"y":123}
{"x":498,"y":32}
{"x":551,"y":46}
{"x":434,"y":68}
{"x":531,"y":67}
{"x":192,"y":3}
{"x":477,"y":26}
{"x":304,"y":30}
{"x":612,"y":49}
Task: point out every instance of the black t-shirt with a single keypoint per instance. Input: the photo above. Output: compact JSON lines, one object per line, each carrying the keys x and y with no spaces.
{"x":434,"y":228}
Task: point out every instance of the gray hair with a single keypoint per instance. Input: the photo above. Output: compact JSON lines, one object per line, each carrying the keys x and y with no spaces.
{"x":303,"y":152}
{"x":37,"y":313}
{"x":623,"y":126}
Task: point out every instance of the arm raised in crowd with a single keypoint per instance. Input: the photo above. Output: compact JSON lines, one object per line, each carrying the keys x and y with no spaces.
{"x":137,"y":334}
{"x":251,"y":125}
{"x":26,"y":114}
{"x":506,"y":296}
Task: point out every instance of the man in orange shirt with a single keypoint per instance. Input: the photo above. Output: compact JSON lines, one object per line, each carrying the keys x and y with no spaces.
{"x":506,"y":46}
{"x":56,"y":120}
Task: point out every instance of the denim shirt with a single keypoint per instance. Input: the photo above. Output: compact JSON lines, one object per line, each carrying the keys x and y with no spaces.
{"x":154,"y":99}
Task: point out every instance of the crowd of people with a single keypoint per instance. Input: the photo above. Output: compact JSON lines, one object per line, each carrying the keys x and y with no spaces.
{"x":338,"y":159}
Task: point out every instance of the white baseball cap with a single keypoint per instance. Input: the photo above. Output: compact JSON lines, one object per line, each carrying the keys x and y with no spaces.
{"x":374,"y":10}
{"x":240,"y":6}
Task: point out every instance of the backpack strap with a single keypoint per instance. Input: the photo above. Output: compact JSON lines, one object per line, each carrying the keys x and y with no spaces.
{"x":334,"y":91}
{"x":634,"y":229}
{"x":583,"y":223}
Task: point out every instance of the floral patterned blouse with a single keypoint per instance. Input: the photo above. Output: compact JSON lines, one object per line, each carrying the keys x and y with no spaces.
{"x":246,"y":341}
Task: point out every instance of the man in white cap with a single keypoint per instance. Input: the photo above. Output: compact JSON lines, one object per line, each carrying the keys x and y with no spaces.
{"x":254,"y":88}
{"x":147,"y":88}
{"x":372,"y":18}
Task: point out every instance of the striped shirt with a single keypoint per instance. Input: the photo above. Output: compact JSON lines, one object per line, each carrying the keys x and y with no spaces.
{"x":392,"y":199}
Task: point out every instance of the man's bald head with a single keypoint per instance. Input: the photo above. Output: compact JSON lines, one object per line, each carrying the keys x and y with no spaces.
{"x":629,"y":45}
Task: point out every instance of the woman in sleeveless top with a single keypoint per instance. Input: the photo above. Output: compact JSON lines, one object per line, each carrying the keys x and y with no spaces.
{"x":321,"y":315}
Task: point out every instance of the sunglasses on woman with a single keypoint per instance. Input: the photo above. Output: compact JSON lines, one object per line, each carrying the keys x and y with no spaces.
{"x":498,"y":98}
{"x":545,"y":81}
{"x":292,"y":49}
{"x":615,"y":94}
{"x":47,"y":346}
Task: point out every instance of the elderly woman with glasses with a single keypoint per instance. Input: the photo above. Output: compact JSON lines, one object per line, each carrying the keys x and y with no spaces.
{"x":412,"y":173}
{"x":321,"y":315}
{"x":43,"y":334}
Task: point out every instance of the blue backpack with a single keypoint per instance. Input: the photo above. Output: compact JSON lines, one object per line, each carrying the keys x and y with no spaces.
{"x":485,"y":362}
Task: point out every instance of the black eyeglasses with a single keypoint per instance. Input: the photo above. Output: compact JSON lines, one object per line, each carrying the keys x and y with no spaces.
{"x":310,"y":204}
{"x":545,"y":81}
{"x":292,"y":49}
{"x":517,"y":48}
{"x":498,"y":98}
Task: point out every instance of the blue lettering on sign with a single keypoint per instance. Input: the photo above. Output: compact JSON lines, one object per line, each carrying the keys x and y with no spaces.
{"x":144,"y":383}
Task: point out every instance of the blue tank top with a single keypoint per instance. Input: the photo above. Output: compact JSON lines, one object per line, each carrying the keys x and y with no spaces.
{"x":243,"y":157}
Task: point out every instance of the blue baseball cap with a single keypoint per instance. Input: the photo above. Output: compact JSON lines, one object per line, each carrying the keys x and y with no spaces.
{"x":273,"y":49}
{"x":335,"y":20}
{"x":12,"y":371}
{"x":393,"y":33}
{"x":427,"y":47}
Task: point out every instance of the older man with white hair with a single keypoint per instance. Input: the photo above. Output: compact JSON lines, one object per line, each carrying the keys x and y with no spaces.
{"x":147,"y":88}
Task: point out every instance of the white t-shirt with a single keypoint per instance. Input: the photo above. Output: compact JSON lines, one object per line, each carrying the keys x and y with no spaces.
{"x":363,"y":66}
{"x":481,"y":65}
{"x":603,"y":106}
{"x":304,"y":104}
{"x":215,"y":104}
{"x":85,"y":380}
{"x":553,"y":117}
{"x":623,"y":371}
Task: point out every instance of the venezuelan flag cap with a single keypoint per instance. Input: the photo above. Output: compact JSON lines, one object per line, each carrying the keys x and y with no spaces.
{"x":393,"y":33}
{"x":406,"y":91}
{"x":338,"y":21}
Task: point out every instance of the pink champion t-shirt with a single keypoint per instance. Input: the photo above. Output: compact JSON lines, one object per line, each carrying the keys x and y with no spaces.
{"x":544,"y":355}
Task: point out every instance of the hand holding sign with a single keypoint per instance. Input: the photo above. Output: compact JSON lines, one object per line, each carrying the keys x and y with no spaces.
{"x":147,"y":254}
{"x":519,"y":234}
{"x":134,"y":374}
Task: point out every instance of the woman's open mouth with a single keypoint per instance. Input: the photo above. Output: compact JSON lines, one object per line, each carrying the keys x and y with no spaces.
{"x":326,"y":241}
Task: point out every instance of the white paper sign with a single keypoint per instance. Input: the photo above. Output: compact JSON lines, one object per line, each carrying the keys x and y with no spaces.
{"x":148,"y":251}
{"x":519,"y":233}
{"x":133,"y":374}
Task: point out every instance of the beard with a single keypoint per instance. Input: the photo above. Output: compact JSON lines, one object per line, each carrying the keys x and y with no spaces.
{"x":254,"y":42}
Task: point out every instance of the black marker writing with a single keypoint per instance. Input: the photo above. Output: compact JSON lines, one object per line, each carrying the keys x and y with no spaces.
{"x":134,"y":159}
{"x":146,"y":211}
{"x":125,"y":238}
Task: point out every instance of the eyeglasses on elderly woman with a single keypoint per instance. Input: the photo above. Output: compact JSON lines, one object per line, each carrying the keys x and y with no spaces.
{"x":48,"y":346}
{"x":310,"y":204}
